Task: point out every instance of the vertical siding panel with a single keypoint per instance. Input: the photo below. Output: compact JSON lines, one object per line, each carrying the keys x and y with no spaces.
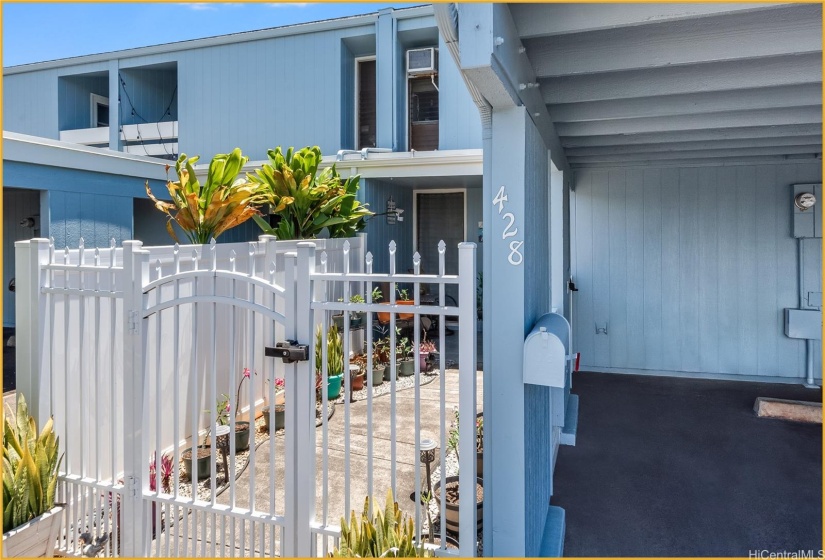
{"x":790,"y":352}
{"x":635,"y":294}
{"x":671,"y":320}
{"x":747,"y":287}
{"x":17,"y":205}
{"x":728,"y":272}
{"x":708,"y":270}
{"x":583,"y":299}
{"x":653,"y":269}
{"x":601,"y":265}
{"x":689,"y":268}
{"x":617,"y":243}
{"x":770,"y":318}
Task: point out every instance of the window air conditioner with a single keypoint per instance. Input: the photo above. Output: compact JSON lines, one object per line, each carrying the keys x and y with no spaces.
{"x":422,"y":61}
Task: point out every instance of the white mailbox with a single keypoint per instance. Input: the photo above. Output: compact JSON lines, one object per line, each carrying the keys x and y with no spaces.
{"x":545,"y":352}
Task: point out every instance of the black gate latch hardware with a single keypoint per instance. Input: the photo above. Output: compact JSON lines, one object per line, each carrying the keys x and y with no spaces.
{"x":289,"y":350}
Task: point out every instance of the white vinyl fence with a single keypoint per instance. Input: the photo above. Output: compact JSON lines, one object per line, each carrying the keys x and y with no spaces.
{"x":130,"y":349}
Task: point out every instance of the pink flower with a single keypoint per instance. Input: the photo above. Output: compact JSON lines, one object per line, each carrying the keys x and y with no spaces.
{"x":246,"y":372}
{"x":227,"y":407}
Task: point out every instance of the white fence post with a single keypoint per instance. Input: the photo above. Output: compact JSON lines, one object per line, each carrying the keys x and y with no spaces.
{"x":468,"y":533}
{"x":305,"y":405}
{"x":30,"y":318}
{"x":135,"y":264}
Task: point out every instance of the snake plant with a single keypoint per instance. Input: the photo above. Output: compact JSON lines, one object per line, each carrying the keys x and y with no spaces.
{"x":204,"y":211}
{"x":30,"y":465}
{"x":388,"y":534}
{"x":335,"y":351}
{"x":306,"y":201}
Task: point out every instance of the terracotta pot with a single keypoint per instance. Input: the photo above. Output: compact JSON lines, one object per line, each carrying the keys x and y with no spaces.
{"x":385,"y":317}
{"x":357,"y":382}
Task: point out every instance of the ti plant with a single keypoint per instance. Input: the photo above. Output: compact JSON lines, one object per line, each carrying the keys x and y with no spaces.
{"x":335,"y":351}
{"x":389,"y":534}
{"x":306,"y":201}
{"x":403,"y":348}
{"x":30,"y":465}
{"x":206,"y":211}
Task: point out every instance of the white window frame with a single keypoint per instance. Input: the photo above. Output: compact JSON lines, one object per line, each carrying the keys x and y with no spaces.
{"x":358,"y":60}
{"x":94,"y":101}
{"x":416,"y":192}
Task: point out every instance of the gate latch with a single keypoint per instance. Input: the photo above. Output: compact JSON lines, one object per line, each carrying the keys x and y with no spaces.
{"x":290,"y":351}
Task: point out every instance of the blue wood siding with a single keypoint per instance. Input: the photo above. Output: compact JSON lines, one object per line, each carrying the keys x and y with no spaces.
{"x":690,"y":268}
{"x":151,"y":91}
{"x":94,"y":217}
{"x":17,"y":205}
{"x":30,"y":103}
{"x":379,"y":233}
{"x":74,"y":95}
{"x":538,"y":449}
{"x":459,"y":123}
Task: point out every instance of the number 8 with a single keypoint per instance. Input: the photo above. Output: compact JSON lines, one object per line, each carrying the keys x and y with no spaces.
{"x":515,"y":257}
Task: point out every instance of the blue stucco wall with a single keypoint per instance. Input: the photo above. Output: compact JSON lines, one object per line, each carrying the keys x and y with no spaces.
{"x":691,"y":268}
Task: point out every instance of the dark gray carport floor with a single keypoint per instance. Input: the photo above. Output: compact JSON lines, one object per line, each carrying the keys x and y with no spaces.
{"x":669,"y":466}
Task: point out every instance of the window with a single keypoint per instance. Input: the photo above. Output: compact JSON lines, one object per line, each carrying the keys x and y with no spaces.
{"x":365,"y":136}
{"x":99,"y":111}
{"x":423,"y":113}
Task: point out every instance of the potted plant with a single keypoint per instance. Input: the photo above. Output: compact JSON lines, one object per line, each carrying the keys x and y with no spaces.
{"x":452,"y":441}
{"x":425,"y":353}
{"x":335,"y":360}
{"x":280,"y":407}
{"x":453,"y":496}
{"x":30,"y":465}
{"x":403,"y":350}
{"x":356,"y":318}
{"x":356,"y":376}
{"x":389,"y":533}
{"x":403,"y":299}
{"x":241,"y":426}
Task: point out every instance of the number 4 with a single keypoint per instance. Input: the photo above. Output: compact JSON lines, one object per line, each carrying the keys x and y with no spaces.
{"x":500,"y":199}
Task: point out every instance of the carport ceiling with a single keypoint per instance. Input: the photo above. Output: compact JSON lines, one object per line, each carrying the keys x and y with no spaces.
{"x":678,"y":83}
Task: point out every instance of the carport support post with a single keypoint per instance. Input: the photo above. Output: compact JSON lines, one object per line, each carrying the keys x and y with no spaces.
{"x":504,"y":445}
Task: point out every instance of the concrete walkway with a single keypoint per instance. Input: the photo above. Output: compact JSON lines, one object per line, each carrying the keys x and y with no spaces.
{"x":406,"y":460}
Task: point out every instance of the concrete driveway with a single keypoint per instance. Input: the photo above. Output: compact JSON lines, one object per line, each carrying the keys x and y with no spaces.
{"x":681,"y":467}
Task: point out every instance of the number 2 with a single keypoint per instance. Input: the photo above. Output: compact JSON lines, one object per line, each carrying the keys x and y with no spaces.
{"x":509,"y":231}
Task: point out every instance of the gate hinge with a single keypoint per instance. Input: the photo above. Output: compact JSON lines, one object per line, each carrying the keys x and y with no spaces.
{"x":133,"y":486}
{"x":133,"y":321}
{"x":290,"y":351}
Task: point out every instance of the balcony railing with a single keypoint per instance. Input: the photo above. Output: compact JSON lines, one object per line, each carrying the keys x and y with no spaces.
{"x":158,"y":139}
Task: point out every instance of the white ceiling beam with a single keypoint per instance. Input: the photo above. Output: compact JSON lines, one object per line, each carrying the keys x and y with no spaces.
{"x":717,"y":76}
{"x":537,"y":20}
{"x":701,"y":162}
{"x":731,"y":119}
{"x":792,"y":30}
{"x":696,"y":145}
{"x":694,"y":154}
{"x":694,"y":135}
{"x":688,"y":104}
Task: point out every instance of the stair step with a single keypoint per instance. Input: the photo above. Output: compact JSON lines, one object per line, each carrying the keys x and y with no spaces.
{"x":552,"y":540}
{"x":571,"y":421}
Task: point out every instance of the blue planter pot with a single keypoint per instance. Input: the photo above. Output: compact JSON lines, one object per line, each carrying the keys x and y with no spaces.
{"x":334,"y":386}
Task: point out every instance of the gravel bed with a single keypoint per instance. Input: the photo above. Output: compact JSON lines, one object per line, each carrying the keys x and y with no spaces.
{"x":385,"y":388}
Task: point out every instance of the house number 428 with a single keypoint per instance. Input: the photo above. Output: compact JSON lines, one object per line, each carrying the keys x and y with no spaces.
{"x":515,"y":257}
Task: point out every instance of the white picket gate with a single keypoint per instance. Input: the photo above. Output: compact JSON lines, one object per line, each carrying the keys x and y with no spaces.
{"x":130,"y":353}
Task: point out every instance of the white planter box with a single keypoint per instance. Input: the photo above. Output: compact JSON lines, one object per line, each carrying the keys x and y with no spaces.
{"x":35,"y":539}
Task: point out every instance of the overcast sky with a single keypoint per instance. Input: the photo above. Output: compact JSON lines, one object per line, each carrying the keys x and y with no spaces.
{"x":34,"y":32}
